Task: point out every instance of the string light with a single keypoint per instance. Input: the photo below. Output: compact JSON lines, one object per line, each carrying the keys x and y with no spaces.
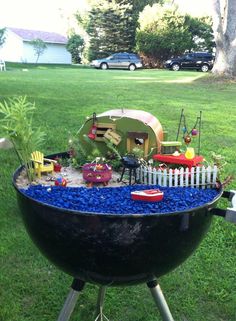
{"x":188,"y":134}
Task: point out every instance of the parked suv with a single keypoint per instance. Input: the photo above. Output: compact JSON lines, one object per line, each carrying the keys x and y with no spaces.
{"x":121,"y":60}
{"x":196,"y":60}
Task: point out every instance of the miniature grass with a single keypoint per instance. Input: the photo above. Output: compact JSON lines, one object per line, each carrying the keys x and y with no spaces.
{"x":202,"y":288}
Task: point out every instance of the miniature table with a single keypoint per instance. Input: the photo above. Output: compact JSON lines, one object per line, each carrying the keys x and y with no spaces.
{"x":181,"y":159}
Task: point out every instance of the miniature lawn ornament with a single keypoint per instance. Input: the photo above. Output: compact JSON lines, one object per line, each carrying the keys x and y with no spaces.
{"x":148,"y":195}
{"x":112,"y":136}
{"x":41,"y":164}
{"x":60,"y":181}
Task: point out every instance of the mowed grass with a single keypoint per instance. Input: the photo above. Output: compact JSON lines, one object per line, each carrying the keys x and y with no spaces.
{"x":201,"y":289}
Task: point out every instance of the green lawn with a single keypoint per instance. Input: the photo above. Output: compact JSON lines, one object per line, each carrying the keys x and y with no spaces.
{"x":201,"y":289}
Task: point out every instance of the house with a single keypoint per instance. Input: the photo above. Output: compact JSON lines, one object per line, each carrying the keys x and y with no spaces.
{"x":17,"y":47}
{"x":125,"y":128}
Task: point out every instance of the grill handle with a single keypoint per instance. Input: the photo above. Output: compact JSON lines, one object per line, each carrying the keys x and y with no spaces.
{"x":230,"y":213}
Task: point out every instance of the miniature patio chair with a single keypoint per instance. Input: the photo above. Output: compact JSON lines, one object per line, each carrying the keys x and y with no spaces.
{"x":39,"y":165}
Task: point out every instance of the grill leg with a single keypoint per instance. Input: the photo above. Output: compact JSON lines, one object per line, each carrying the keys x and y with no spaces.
{"x":122,"y":174}
{"x":100,"y":302}
{"x":160,"y":300}
{"x":69,"y":305}
{"x":135,"y":176}
{"x":130,"y":175}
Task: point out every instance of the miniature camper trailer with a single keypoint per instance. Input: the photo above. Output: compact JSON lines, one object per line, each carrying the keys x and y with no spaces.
{"x":126,"y":129}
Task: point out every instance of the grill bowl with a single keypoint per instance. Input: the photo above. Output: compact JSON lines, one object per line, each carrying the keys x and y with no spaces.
{"x":111,"y":249}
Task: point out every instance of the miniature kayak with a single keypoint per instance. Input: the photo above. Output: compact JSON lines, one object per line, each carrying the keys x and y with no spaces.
{"x":148,"y":195}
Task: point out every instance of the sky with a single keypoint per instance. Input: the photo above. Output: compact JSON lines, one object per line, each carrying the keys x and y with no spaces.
{"x":195,"y":7}
{"x":57,"y":15}
{"x":45,"y":15}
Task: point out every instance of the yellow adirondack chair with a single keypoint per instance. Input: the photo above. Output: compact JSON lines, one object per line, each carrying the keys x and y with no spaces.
{"x":42,"y":164}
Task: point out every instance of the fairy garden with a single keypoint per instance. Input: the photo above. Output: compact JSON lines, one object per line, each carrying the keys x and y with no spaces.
{"x":118,"y":162}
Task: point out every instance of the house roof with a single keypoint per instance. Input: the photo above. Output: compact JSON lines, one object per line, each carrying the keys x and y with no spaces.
{"x":49,"y":37}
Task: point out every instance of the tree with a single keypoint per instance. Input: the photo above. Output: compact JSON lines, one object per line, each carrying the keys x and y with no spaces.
{"x":201,"y":33}
{"x":2,"y":36}
{"x":164,"y":32}
{"x":39,"y":47}
{"x":111,"y":25}
{"x":139,"y":5}
{"x":110,"y":28}
{"x":224,"y":27}
{"x":75,"y":46}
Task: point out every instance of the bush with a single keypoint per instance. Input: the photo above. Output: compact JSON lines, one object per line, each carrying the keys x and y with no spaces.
{"x":164,"y":33}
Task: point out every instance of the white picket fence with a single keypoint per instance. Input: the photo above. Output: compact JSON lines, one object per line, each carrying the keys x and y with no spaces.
{"x":204,"y":177}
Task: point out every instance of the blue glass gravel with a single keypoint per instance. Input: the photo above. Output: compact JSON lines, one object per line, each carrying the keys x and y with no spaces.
{"x":117,"y":200}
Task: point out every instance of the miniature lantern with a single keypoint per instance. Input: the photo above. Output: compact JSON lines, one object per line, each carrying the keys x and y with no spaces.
{"x":187,"y":139}
{"x":194,"y":132}
{"x":189,"y":154}
{"x":188,"y":134}
{"x":92,"y":132}
{"x":93,"y":129}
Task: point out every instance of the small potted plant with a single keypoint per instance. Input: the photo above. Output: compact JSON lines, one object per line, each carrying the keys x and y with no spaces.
{"x":57,"y":165}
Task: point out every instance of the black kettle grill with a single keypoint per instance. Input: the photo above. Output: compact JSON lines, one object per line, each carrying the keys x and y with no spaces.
{"x":110,"y":250}
{"x":130,"y":163}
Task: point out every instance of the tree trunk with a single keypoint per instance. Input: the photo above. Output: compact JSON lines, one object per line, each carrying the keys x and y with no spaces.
{"x":224,"y":27}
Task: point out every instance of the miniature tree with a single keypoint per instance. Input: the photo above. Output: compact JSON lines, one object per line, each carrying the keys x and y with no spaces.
{"x":220,"y":162}
{"x":17,"y":125}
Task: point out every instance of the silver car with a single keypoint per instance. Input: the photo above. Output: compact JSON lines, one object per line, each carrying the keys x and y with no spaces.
{"x":122,"y":60}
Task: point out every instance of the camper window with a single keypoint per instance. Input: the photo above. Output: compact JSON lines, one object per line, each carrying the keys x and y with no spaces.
{"x":137,"y":135}
{"x":137,"y":139}
{"x":101,"y":130}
